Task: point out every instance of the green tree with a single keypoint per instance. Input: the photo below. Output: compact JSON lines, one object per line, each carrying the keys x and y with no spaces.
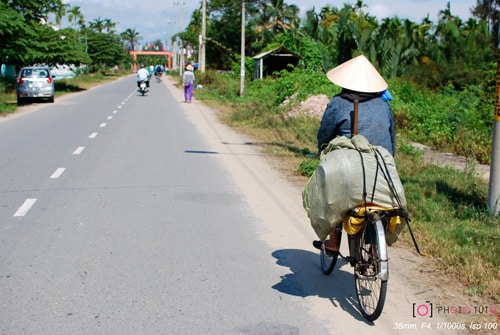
{"x":76,"y":17}
{"x":60,"y":13}
{"x":131,"y":38}
{"x":109,"y":26}
{"x":224,"y":39}
{"x":34,"y":9}
{"x":105,"y":50}
{"x":190,"y":36}
{"x":312,"y":53}
{"x":397,"y":46}
{"x":489,"y":10}
{"x":276,"y":16}
{"x":13,"y":27}
{"x":25,"y":40}
{"x":97,"y":25}
{"x":56,"y":47}
{"x":310,"y":24}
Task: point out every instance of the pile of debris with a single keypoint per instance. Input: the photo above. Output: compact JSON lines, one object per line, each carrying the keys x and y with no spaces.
{"x":314,"y":106}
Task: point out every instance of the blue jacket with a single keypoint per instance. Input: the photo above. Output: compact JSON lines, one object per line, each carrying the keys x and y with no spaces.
{"x":375,"y":122}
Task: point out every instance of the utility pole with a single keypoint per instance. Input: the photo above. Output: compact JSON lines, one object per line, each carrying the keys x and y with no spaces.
{"x":181,"y":48}
{"x":242,"y":70}
{"x":169,"y":35}
{"x":203,"y":35}
{"x":494,"y":187}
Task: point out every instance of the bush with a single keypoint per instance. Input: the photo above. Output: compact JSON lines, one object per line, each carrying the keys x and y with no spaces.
{"x":448,"y":120}
{"x":308,"y":166}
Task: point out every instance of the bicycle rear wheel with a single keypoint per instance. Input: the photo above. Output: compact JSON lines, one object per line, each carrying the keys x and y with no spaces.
{"x":371,"y":270}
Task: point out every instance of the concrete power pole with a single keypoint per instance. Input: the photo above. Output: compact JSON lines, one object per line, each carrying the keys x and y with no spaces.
{"x":203,"y":35}
{"x":242,"y":70}
{"x":181,"y":48}
{"x":494,"y":187}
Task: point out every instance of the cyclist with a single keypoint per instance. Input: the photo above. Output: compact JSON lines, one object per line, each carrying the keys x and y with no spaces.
{"x":361,"y":83}
{"x":159,"y":69}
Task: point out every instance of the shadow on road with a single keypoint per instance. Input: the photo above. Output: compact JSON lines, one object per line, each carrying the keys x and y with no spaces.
{"x":307,"y":279}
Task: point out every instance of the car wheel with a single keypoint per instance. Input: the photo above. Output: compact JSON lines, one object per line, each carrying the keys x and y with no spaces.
{"x":51,"y":99}
{"x":19,"y":100}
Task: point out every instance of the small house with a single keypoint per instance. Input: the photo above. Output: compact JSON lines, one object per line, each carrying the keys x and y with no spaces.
{"x":274,"y":60}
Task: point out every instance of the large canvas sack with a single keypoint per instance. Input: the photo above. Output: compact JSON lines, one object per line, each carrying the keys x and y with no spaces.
{"x":348,"y":168}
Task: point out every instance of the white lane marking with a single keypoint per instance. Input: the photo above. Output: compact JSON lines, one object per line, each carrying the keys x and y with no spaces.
{"x":78,"y":150}
{"x":102,"y":125}
{"x":119,"y":107}
{"x":93,"y":135}
{"x":110,"y":117}
{"x":115,"y":111}
{"x":57,"y":173}
{"x":25,"y":207}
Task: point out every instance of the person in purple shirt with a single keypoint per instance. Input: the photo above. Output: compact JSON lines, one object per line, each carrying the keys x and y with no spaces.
{"x":188,"y":81}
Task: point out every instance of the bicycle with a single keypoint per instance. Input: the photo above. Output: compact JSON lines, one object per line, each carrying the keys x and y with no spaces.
{"x":158,"y":77}
{"x":366,"y":226}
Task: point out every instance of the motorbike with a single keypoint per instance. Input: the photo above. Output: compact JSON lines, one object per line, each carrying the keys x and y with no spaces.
{"x":143,"y":89}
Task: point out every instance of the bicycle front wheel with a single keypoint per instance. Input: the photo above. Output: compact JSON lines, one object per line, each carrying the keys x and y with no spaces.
{"x":371,"y":270}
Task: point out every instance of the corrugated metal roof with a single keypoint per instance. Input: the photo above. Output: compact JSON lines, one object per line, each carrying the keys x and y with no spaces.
{"x":281,"y":50}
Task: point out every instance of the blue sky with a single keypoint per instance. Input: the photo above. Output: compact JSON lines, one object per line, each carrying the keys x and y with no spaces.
{"x":159,"y":19}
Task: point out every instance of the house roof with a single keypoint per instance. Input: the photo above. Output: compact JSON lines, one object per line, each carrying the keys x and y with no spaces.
{"x":279,"y":51}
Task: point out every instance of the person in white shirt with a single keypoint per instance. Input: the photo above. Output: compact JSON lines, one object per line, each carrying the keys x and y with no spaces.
{"x":143,"y":75}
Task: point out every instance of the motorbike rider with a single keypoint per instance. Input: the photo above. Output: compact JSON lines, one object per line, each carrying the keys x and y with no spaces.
{"x":143,"y":75}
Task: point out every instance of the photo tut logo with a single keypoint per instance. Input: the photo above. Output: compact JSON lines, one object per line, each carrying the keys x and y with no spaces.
{"x":428,"y":309}
{"x":423,"y":310}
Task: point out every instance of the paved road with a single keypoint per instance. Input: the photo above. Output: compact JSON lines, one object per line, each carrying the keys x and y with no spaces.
{"x":117,"y":218}
{"x":123,"y":214}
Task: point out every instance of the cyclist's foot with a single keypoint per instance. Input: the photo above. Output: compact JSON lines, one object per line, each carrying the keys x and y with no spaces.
{"x":330,"y":252}
{"x":317,"y":244}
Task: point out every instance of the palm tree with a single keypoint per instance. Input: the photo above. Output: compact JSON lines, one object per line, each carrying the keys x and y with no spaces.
{"x":489,"y":10}
{"x":358,"y":7}
{"x":60,"y":12}
{"x":97,"y":25}
{"x":311,"y":24}
{"x":447,"y":33}
{"x":131,"y":37}
{"x":276,"y":16}
{"x":75,"y":16}
{"x":109,"y":25}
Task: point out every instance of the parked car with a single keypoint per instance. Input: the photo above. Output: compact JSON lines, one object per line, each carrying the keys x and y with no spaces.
{"x":35,"y":82}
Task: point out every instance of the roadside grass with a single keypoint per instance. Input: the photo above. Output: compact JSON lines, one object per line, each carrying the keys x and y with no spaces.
{"x":448,"y":207}
{"x":451,"y":221}
{"x":8,"y":100}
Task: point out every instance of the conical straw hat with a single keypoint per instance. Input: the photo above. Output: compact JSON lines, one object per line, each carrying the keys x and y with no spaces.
{"x":359,"y":75}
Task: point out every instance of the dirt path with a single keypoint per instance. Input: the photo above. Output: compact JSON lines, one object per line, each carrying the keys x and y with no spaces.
{"x":445,"y":159}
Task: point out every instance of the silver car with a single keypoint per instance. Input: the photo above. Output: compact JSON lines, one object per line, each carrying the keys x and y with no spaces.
{"x":34,"y":82}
